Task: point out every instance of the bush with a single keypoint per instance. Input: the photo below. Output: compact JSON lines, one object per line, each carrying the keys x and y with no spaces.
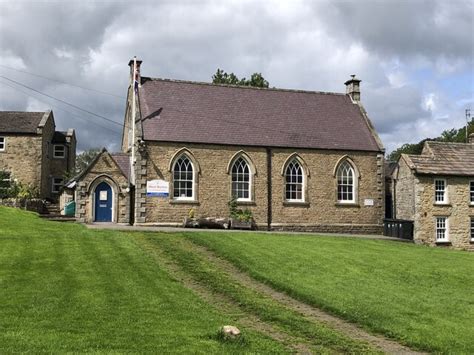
{"x":10,"y":188}
{"x":238,"y":214}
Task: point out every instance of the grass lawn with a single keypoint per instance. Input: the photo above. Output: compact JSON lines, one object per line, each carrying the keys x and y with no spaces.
{"x":422,"y":296}
{"x":64,"y":288}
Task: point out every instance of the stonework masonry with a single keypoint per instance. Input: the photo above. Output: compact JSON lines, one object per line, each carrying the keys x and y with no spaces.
{"x":47,"y":128}
{"x":458,"y":210}
{"x":22,"y":157}
{"x":29,"y":157}
{"x":404,"y":192}
{"x":104,"y":169}
{"x":319,"y":212}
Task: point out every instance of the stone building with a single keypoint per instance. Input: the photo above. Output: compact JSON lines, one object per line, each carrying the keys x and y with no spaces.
{"x":298,"y":160}
{"x":34,"y":153}
{"x":436,"y":191}
{"x":107,"y":177}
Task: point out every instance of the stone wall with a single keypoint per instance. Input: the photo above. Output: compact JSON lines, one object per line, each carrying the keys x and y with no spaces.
{"x":404,"y":192}
{"x":320,"y":212}
{"x":321,"y":209}
{"x":458,"y":210}
{"x":22,"y":157}
{"x":34,"y":205}
{"x":47,"y":131}
{"x":104,"y":169}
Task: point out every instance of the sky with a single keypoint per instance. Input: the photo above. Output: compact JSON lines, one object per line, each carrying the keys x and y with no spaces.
{"x":415,"y":58}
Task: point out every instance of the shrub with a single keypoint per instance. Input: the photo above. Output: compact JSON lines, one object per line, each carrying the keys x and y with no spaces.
{"x":238,"y":214}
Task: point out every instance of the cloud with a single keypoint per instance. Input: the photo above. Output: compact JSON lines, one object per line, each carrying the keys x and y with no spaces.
{"x":403,"y":51}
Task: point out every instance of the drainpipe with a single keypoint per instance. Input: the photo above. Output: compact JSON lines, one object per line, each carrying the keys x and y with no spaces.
{"x":269,"y":188}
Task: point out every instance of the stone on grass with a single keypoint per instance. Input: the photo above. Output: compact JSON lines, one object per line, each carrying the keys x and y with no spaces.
{"x":230,"y":331}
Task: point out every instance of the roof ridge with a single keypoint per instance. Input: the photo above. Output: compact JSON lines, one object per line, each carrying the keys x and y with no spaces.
{"x":245,"y":87}
{"x":24,"y":112}
{"x":455,"y":143}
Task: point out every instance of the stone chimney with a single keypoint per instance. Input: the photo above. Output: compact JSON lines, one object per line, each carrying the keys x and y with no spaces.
{"x":137,"y":74}
{"x":471,"y":138}
{"x":353,"y":88}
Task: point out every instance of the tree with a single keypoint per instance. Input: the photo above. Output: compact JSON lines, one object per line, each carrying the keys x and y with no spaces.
{"x":85,"y":158}
{"x":256,"y":80}
{"x":450,"y":135}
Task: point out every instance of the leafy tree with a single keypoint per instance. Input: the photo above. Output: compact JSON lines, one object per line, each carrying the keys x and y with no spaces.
{"x":449,"y":135}
{"x":85,"y":158}
{"x":256,"y":80}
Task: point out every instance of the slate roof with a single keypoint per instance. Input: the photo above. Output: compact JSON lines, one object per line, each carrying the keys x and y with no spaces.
{"x":440,"y":158}
{"x":20,"y":122}
{"x":123,"y":162}
{"x":191,"y":112}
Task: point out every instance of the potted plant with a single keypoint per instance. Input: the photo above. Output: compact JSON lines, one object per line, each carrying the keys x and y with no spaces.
{"x":239,"y":219}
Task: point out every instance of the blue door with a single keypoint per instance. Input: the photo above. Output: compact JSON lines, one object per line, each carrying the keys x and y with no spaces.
{"x":103,"y":203}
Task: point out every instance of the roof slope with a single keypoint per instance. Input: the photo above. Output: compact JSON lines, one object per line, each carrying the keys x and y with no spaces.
{"x":123,"y":162}
{"x":440,"y":158}
{"x":181,"y":111}
{"x":19,"y":122}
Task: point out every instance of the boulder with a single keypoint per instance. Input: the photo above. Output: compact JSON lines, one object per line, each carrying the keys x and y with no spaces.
{"x":230,"y":331}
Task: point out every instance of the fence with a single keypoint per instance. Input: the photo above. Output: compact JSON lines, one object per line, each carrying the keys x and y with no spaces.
{"x":398,"y":228}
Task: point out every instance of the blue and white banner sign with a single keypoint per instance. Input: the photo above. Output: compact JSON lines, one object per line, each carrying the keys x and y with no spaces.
{"x":157,"y":188}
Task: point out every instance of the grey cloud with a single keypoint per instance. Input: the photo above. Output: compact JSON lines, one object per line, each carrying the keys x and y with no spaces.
{"x":307,"y":45}
{"x":427,"y":28}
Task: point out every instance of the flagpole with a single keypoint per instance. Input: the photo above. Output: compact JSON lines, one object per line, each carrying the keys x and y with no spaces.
{"x":134,"y":78}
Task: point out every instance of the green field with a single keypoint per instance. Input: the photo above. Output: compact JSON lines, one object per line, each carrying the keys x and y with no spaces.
{"x":422,"y":296}
{"x":65,"y":288}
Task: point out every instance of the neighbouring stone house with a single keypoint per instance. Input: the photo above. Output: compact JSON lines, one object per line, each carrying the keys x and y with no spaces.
{"x":299,"y":160}
{"x":34,"y":153}
{"x":436,"y":191}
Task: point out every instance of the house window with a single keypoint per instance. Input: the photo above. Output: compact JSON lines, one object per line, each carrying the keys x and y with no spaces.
{"x":442,"y":229}
{"x":57,"y":183}
{"x":183,"y":179}
{"x":440,"y":191}
{"x":345,"y":183}
{"x":241,"y":180}
{"x":471,"y":192}
{"x":472,"y":229}
{"x":2,"y":144}
{"x":294,"y":182}
{"x":59,"y":151}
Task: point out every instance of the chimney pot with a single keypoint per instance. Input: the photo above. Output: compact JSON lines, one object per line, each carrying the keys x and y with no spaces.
{"x":353,"y":88}
{"x":137,"y":74}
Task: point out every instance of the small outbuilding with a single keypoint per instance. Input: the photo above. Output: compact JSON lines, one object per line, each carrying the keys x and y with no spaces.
{"x":102,"y":191}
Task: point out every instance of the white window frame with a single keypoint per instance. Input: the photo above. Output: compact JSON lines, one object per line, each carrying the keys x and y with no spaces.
{"x":193,"y":188}
{"x":472,"y":229}
{"x":354,"y":182}
{"x":250,"y":181}
{"x":3,"y":143}
{"x":54,"y":184}
{"x":445,"y":192}
{"x":442,"y":224}
{"x":303,"y":181}
{"x":471,"y":192}
{"x":61,"y":156}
